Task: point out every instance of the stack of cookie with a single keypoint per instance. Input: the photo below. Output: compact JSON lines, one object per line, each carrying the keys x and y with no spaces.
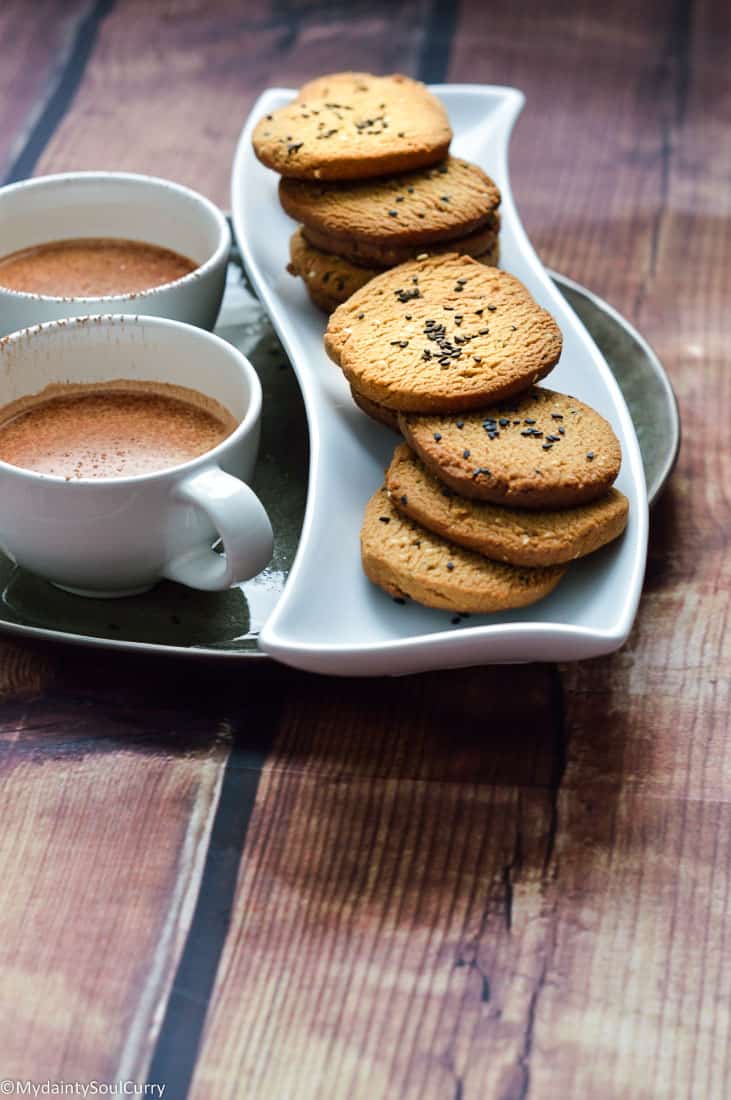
{"x":365,"y":170}
{"x":501,"y":483}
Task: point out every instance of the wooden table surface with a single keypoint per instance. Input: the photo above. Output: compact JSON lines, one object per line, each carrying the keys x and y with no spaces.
{"x":487,"y":884}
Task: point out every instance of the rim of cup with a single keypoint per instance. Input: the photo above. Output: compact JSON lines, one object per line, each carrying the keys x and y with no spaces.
{"x":112,"y":320}
{"x":220,"y":252}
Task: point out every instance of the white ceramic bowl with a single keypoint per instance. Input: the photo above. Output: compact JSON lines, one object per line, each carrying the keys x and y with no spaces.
{"x":116,"y":204}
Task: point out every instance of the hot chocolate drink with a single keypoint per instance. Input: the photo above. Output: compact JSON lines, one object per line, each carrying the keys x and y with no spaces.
{"x":91,"y":267}
{"x":110,"y":430}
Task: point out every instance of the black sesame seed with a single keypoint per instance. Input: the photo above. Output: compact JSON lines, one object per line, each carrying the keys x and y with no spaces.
{"x":404,"y":499}
{"x":399,"y":198}
{"x":361,"y":316}
{"x":590,"y":455}
{"x":407,"y":316}
{"x":450,"y":566}
{"x":503,"y":422}
{"x":410,"y":190}
{"x":492,"y":308}
{"x":445,"y":198}
{"x":562,"y":431}
{"x":385,"y":519}
{"x":529,"y":420}
{"x":547,"y":446}
{"x":557,"y":416}
{"x":483,"y":332}
{"x":437,"y":436}
{"x":460,"y":424}
{"x":465,"y":454}
{"x":393,"y":213}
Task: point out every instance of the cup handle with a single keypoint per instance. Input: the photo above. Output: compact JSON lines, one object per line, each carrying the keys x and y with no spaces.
{"x":242,"y":524}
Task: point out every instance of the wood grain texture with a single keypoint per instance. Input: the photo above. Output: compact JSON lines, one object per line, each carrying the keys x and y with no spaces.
{"x":36,"y":40}
{"x":477,"y":883}
{"x":391,"y":919}
{"x":108,"y":802}
{"x":170,"y":84}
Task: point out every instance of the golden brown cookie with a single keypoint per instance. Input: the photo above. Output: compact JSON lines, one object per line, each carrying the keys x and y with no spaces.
{"x":383,"y":221}
{"x":473,"y":244}
{"x":388,"y":417}
{"x":330,"y":279}
{"x":540,"y":449}
{"x":352,"y":126}
{"x":504,"y":534}
{"x":407,"y":560}
{"x":444,"y":334}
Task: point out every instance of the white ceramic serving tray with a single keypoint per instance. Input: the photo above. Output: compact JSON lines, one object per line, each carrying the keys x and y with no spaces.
{"x":331,"y":619}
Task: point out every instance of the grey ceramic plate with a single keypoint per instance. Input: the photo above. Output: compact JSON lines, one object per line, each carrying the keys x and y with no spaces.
{"x":174,"y":619}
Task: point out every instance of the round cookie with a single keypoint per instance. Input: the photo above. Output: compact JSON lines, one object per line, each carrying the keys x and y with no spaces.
{"x":387,"y":417}
{"x":330,"y":279}
{"x":389,"y":255}
{"x":353,"y":126}
{"x":444,"y":334}
{"x":540,"y":449}
{"x":503,"y":534}
{"x":406,"y":560}
{"x":366,"y":220}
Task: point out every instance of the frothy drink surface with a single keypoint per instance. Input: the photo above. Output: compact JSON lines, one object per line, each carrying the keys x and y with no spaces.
{"x":111,"y":431}
{"x":91,"y":267}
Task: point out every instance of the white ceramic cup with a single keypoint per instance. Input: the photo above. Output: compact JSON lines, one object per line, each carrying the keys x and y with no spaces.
{"x":118,"y":536}
{"x":116,"y":204}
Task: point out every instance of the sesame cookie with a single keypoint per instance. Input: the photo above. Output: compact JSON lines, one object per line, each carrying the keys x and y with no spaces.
{"x":406,"y":560}
{"x":353,"y":126}
{"x":540,"y":449}
{"x":382,"y":220}
{"x":503,"y":534}
{"x":330,"y":279}
{"x":387,"y":417}
{"x":389,"y":255}
{"x":442,"y":334}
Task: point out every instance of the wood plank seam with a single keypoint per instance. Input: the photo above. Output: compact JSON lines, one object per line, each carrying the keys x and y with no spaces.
{"x":61,"y":92}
